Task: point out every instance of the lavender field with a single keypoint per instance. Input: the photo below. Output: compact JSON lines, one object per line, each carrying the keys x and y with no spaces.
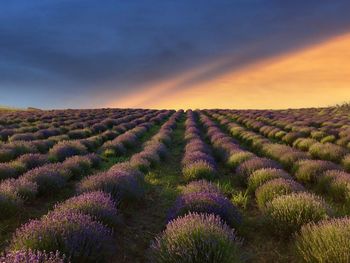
{"x":164,"y":186}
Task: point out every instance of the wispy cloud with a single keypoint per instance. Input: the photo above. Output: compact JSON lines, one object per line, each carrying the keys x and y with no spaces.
{"x":314,"y":76}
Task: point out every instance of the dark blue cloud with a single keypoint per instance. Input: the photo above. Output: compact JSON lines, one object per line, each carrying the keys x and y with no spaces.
{"x":60,"y":53}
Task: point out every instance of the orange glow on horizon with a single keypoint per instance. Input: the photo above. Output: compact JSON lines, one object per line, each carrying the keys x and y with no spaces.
{"x":315,"y":76}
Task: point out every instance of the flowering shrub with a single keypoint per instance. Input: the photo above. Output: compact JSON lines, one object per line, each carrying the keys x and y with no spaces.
{"x":304,"y":144}
{"x":337,"y":185}
{"x":124,"y":186}
{"x":200,"y":186}
{"x":309,"y":171}
{"x":239,"y":157}
{"x":49,"y":178}
{"x":77,"y":165}
{"x":327,"y":151}
{"x":287,"y":213}
{"x":198,"y":170}
{"x":33,"y":160}
{"x":284,"y":154}
{"x":98,"y":205}
{"x":73,"y":234}
{"x":275,"y":188}
{"x":20,"y":187}
{"x":261,"y":176}
{"x":326,"y":241}
{"x":193,"y":157}
{"x":65,"y":149}
{"x":140,"y":163}
{"x":248,"y":167}
{"x":209,"y":203}
{"x":196,"y":238}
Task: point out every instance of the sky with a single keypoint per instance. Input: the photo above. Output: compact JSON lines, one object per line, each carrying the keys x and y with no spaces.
{"x":174,"y":53}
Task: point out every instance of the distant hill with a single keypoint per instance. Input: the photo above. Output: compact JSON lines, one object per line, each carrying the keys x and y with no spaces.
{"x":33,"y":109}
{"x":7,"y":109}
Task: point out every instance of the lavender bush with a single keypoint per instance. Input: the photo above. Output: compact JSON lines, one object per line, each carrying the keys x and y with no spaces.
{"x":65,"y":149}
{"x":248,"y":167}
{"x":210,"y":203}
{"x":309,"y":171}
{"x":77,"y":165}
{"x":49,"y":178}
{"x":73,"y":234}
{"x":237,"y":158}
{"x":196,"y":238}
{"x":198,"y":170}
{"x":124,"y":186}
{"x":327,"y":151}
{"x":287,"y":213}
{"x":200,"y":186}
{"x":327,"y":241}
{"x":33,"y":160}
{"x":21,"y":187}
{"x":261,"y":176}
{"x":274,"y":188}
{"x":98,"y":205}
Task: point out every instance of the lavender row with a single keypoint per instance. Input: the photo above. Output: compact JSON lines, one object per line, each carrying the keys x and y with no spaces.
{"x":325,"y":176}
{"x":199,"y":224}
{"x":50,"y":178}
{"x":198,"y":161}
{"x":285,"y":204}
{"x":121,"y":180}
{"x":65,"y":149}
{"x":305,"y":139}
{"x":77,"y":230}
{"x":80,"y":229}
{"x":75,"y":128}
{"x":199,"y":228}
{"x":118,"y":145}
{"x":322,"y":240}
{"x":325,"y":125}
{"x":55,"y":122}
{"x":107,"y":128}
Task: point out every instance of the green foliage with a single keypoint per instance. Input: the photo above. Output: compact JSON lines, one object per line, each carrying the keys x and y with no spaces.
{"x":261,"y":176}
{"x":198,"y":170}
{"x":237,"y":158}
{"x":287,"y":213}
{"x":274,"y":188}
{"x":326,"y":242}
{"x":241,"y":199}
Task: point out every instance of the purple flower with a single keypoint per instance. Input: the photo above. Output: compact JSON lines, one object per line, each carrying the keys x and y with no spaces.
{"x":123,"y":185}
{"x":196,"y":238}
{"x":49,"y":178}
{"x":33,"y":160}
{"x":200,"y":186}
{"x":65,"y":149}
{"x":32,"y":256}
{"x":20,"y":187}
{"x":248,"y":167}
{"x":98,"y":205}
{"x":76,"y":235}
{"x":210,"y":203}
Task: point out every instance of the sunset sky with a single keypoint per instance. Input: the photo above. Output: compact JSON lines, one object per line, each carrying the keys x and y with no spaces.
{"x":174,"y":54}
